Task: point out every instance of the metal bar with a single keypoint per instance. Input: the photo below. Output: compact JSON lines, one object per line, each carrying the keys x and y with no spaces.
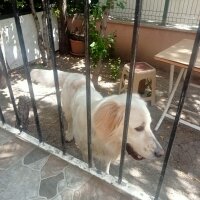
{"x":138,"y":8}
{"x":179,"y":109}
{"x":1,"y":116}
{"x":5,"y":72}
{"x":165,"y":12}
{"x":88,"y":91}
{"x":53,"y":59}
{"x":26,"y":67}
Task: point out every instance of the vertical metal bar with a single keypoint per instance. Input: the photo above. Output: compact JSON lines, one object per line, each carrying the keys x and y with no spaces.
{"x":9,"y":88}
{"x":53,"y":59}
{"x":138,"y":8}
{"x":26,"y":67}
{"x":88,"y":92}
{"x":165,"y":12}
{"x":179,"y":109}
{"x":1,"y":116}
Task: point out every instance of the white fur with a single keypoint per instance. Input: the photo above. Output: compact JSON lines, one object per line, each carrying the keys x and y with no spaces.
{"x":45,"y":77}
{"x":107,"y":122}
{"x":107,"y":119}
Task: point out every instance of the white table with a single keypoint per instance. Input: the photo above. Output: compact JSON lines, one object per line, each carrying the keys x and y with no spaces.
{"x":177,"y":55}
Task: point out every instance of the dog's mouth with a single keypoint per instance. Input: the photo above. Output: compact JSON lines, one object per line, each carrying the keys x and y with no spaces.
{"x":131,"y":152}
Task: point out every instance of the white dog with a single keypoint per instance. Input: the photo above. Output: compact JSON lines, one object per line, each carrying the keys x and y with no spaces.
{"x":107,"y":123}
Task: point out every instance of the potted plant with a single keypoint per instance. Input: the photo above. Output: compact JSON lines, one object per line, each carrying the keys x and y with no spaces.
{"x":75,"y":26}
{"x":77,"y":41}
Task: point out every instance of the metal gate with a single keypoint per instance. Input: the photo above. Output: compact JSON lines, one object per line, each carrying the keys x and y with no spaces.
{"x":87,"y":66}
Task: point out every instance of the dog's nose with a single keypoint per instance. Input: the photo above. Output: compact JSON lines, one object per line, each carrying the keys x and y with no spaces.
{"x":159,"y":153}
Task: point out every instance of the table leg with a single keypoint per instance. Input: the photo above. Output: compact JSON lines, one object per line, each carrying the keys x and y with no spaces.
{"x":184,"y":75}
{"x":171,"y":77}
{"x":170,"y":99}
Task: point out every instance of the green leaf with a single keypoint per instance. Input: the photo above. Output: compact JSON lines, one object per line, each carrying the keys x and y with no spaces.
{"x":92,"y":44}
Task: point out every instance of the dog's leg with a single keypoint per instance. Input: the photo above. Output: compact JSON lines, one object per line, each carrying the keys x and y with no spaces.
{"x":68,"y":133}
{"x":85,"y":158}
{"x":68,"y":128}
{"x":108,"y":167}
{"x":103,"y":165}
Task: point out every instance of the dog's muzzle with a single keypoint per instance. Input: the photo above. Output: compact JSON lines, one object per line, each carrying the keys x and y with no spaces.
{"x":133,"y":153}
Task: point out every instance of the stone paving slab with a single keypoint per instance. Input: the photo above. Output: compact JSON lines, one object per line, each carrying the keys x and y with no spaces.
{"x":4,"y":137}
{"x":48,"y":186}
{"x":19,"y":182}
{"x":52,"y":167}
{"x":98,"y":191}
{"x":11,"y":151}
{"x":29,"y":173}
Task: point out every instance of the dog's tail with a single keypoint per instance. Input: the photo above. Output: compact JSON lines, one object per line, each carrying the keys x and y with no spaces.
{"x":46,"y":77}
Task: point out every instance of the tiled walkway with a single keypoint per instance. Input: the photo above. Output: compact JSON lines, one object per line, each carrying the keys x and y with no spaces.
{"x":29,"y":173}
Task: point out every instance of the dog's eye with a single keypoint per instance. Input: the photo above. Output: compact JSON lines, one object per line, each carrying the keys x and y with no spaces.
{"x":139,"y":128}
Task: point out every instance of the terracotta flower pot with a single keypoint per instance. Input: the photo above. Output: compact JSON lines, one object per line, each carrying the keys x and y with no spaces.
{"x":77,"y":47}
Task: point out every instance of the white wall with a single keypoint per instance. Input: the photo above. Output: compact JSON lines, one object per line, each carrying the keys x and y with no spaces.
{"x":10,"y":43}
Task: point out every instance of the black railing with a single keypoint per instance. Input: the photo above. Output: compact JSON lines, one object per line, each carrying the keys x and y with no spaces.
{"x":88,"y":96}
{"x":5,"y":72}
{"x":88,"y":92}
{"x":138,"y":8}
{"x":179,"y":109}
{"x":26,"y":68}
{"x":53,"y":59}
{"x":1,"y":116}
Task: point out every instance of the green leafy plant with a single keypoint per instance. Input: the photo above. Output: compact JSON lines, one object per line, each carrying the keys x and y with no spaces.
{"x":114,"y":68}
{"x":101,"y":44}
{"x":21,"y":4}
{"x":74,"y":6}
{"x":100,"y":47}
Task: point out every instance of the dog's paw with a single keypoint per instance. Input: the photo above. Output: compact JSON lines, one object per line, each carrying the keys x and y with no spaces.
{"x":68,"y":136}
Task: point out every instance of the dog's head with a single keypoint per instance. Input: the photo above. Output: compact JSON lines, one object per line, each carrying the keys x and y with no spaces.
{"x":109,"y":123}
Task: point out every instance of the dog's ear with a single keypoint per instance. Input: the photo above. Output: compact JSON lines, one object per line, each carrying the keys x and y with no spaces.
{"x":107,"y":118}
